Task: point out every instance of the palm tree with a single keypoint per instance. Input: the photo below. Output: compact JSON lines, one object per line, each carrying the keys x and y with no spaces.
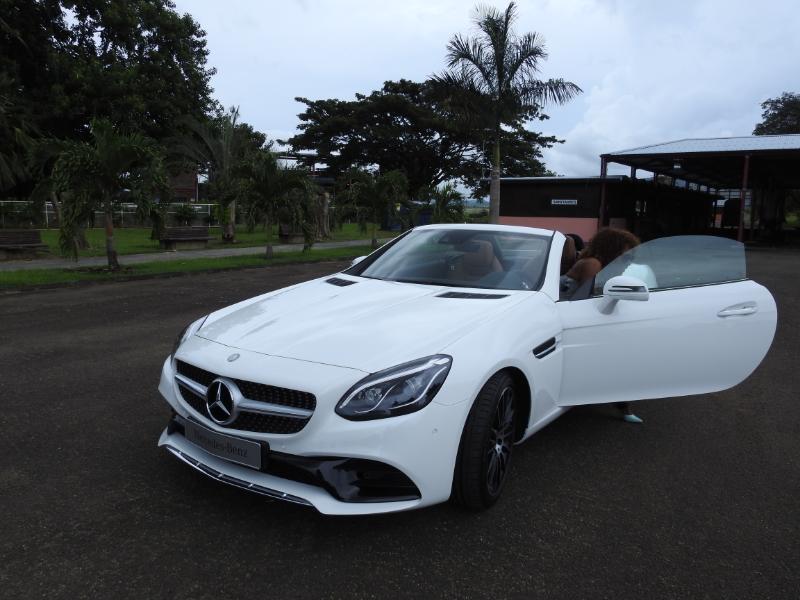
{"x":268,"y":189}
{"x":494,"y":77}
{"x":370,"y":196}
{"x":448,"y":204}
{"x":93,"y":174}
{"x":219,"y":145}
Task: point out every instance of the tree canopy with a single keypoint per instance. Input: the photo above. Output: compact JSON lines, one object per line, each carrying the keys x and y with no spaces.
{"x":781,"y":115}
{"x":399,"y":127}
{"x":411,"y":127}
{"x":137,"y":63}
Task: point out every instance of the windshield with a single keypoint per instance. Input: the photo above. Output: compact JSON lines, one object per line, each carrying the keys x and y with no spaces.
{"x":474,"y":258}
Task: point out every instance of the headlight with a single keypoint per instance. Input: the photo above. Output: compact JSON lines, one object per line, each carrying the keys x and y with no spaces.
{"x":188,"y":332}
{"x":396,"y":391}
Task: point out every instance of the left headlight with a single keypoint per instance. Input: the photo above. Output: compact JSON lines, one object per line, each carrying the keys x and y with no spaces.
{"x":397,"y":391}
{"x":187,"y":332}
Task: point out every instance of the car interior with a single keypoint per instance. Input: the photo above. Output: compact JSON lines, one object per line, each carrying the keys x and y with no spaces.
{"x":470,"y":259}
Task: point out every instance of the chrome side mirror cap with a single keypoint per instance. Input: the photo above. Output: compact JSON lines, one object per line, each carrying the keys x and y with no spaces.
{"x":622,"y":287}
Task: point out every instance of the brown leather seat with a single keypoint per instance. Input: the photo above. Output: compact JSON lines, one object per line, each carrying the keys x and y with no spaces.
{"x":479,"y":260}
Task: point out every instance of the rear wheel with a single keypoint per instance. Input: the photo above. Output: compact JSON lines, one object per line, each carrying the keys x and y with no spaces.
{"x":487,"y":443}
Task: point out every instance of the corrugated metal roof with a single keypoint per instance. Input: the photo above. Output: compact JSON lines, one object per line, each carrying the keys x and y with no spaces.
{"x":560,"y":179}
{"x":750,"y":143}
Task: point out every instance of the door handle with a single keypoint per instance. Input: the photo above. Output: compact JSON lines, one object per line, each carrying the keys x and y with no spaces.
{"x":739,"y":310}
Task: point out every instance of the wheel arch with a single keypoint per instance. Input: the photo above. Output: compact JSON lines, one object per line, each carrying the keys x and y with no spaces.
{"x":525,"y":401}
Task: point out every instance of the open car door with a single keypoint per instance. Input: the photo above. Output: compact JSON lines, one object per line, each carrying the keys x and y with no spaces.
{"x":672,"y":317}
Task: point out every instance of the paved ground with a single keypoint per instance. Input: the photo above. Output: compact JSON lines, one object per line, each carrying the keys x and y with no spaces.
{"x":132,"y":259}
{"x":702,"y":501}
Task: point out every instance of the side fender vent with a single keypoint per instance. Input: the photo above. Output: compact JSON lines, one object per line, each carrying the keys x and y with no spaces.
{"x":339,"y":281}
{"x":471,"y":296}
{"x":545,"y":348}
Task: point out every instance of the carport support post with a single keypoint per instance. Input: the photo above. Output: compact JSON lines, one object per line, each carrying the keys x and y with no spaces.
{"x":603,"y":172}
{"x":742,"y":193}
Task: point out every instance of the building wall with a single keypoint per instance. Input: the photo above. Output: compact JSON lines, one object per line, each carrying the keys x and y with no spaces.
{"x":549,"y":199}
{"x":573,"y":206}
{"x":584,"y":227}
{"x":568,"y":206}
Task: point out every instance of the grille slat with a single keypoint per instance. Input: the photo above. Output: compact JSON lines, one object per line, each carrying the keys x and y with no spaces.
{"x":250,"y":421}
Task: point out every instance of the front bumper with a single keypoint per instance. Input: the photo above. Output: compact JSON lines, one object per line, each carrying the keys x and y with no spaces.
{"x":421,"y":446}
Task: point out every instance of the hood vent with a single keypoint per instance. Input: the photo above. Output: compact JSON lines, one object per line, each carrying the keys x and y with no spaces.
{"x":340,"y":282}
{"x":471,"y":296}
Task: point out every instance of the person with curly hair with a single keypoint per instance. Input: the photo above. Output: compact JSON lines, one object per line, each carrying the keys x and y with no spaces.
{"x":606,"y":245}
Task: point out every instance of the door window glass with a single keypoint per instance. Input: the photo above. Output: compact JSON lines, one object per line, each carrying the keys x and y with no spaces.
{"x":680,"y":261}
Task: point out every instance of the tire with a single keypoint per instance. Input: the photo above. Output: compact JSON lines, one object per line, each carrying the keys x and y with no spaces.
{"x":487,"y":442}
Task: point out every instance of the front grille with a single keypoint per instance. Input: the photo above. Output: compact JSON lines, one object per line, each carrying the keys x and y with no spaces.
{"x":253,"y":391}
{"x":247,"y":420}
{"x":276,"y":395}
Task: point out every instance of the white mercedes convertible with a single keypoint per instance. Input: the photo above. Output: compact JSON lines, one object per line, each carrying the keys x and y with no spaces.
{"x":407,"y":379}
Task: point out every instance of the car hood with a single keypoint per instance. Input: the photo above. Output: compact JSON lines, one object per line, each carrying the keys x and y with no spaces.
{"x":369,"y":325}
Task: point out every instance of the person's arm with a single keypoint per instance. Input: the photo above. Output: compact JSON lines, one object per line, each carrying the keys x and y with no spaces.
{"x":584,"y":269}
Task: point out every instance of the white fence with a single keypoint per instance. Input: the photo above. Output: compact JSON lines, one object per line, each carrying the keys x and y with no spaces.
{"x":14,"y":213}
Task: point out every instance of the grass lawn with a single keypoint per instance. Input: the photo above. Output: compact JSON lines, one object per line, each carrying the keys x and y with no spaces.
{"x":136,"y":240}
{"x":36,"y":277}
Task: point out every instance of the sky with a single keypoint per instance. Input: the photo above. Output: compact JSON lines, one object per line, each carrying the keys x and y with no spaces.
{"x":651,"y":70}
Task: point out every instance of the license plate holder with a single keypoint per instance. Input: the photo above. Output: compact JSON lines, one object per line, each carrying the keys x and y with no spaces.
{"x":228,"y":447}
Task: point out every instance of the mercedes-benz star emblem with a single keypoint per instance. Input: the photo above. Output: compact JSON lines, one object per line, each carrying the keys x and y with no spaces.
{"x":221,"y":400}
{"x":233,"y":357}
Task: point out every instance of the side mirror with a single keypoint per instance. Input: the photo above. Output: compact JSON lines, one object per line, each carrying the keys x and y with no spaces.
{"x":357,"y":260}
{"x":622,"y":287}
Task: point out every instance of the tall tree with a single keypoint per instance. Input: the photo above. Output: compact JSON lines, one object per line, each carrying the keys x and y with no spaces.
{"x":494,"y":77}
{"x":781,"y":115}
{"x":95,"y":174}
{"x":522,"y":155}
{"x":138,"y":63}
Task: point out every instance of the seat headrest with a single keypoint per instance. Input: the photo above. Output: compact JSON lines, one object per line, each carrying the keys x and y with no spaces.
{"x":478,"y":256}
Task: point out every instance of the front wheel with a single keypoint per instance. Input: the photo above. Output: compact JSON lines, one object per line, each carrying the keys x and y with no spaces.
{"x":487,"y":442}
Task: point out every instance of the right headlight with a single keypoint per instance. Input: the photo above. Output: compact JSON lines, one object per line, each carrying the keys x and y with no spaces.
{"x":187,"y":332}
{"x":397,"y":391}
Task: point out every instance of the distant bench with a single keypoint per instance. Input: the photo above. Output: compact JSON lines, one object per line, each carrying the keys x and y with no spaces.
{"x":287,"y":236}
{"x":20,"y":243}
{"x":184,"y":238}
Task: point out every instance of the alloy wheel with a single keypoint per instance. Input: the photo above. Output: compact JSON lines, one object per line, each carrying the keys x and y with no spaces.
{"x":501,"y":437}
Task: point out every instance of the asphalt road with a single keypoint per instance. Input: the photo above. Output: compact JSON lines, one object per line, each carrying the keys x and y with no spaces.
{"x":702,"y":501}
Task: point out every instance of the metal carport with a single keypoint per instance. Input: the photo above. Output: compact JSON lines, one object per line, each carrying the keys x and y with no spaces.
{"x":769,"y":164}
